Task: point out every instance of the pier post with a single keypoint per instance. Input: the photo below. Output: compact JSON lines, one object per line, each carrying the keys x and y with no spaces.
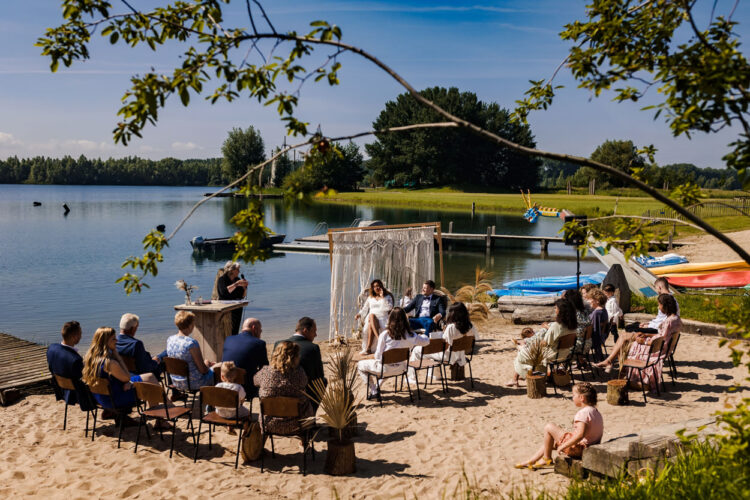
{"x":488,"y":239}
{"x":544,"y":243}
{"x":493,"y":230}
{"x":450,"y":227}
{"x":473,"y":208}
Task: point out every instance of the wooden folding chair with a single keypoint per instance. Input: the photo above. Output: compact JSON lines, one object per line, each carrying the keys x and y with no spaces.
{"x":565,"y":342}
{"x":654,"y":357}
{"x":224,"y":398}
{"x":584,"y":354}
{"x":101,"y":387}
{"x":179,"y":367}
{"x":129,"y":362}
{"x":435,"y":346}
{"x":391,"y":356}
{"x":463,"y":344}
{"x":668,"y":358}
{"x":158,"y":409}
{"x":284,"y":407}
{"x":64,"y":383}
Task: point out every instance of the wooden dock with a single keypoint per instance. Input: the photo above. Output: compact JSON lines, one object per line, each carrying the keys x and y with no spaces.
{"x":487,"y":241}
{"x":21,"y":363}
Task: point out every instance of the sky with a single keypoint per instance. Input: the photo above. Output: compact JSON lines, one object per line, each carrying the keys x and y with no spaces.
{"x":491,"y":48}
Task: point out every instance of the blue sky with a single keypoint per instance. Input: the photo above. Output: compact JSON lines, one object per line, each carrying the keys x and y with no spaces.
{"x":491,"y":48}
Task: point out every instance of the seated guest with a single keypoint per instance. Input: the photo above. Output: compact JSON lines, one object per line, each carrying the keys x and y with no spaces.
{"x":662,"y":286}
{"x":458,"y":325}
{"x":585,"y":290}
{"x":248,"y":352}
{"x":128,"y":345}
{"x":309,"y":352}
{"x":599,"y":322}
{"x":564,"y":324}
{"x":284,"y":377}
{"x":103,"y":361}
{"x":429,"y":307}
{"x":229,"y":286}
{"x":614,"y":313}
{"x":375,"y":311}
{"x":397,"y":335}
{"x":588,"y":429}
{"x":182,"y":346}
{"x":63,"y":360}
{"x":231,"y":379}
{"x":640,"y":348}
{"x":583,"y":320}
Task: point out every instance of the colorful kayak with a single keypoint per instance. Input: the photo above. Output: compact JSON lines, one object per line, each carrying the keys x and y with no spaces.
{"x":723,"y":279}
{"x":669,"y":259}
{"x":555,"y":283}
{"x":697,"y":267}
{"x":520,"y":292}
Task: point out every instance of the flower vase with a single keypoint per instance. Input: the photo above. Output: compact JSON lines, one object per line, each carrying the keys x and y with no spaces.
{"x":187,"y":299}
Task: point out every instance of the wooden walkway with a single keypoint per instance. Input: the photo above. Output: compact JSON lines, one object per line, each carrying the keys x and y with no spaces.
{"x":21,"y":362}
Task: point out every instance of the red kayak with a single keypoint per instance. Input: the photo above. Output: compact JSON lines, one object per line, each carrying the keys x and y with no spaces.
{"x":724,"y":279}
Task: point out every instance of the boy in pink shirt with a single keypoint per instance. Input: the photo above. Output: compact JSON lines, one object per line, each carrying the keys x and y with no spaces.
{"x":588,"y":428}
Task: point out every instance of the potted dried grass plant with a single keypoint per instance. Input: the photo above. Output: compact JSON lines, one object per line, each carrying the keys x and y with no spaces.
{"x":536,"y":379}
{"x":339,"y":412}
{"x":617,"y":389}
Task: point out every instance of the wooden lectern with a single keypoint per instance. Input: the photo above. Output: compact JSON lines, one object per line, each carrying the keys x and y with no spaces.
{"x":213,"y":323}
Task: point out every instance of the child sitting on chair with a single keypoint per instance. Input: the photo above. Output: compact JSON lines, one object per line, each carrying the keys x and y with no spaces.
{"x":231,"y":378}
{"x":525,"y":334}
{"x":588,"y":428}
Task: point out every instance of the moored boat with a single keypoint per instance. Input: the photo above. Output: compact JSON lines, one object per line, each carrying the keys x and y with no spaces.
{"x":721,"y":279}
{"x":200,"y":243}
{"x":701,"y":267}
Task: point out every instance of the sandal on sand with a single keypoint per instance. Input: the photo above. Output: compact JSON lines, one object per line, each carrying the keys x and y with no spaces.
{"x":545,"y":462}
{"x":512,"y":383}
{"x":521,"y":465}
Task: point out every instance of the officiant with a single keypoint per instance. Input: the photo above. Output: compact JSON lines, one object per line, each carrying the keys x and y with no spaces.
{"x":232,"y":286}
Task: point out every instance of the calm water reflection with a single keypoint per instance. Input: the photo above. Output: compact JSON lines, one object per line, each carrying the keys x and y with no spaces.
{"x":55,"y":268}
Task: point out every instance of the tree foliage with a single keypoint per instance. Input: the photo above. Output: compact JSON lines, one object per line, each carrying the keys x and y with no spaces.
{"x":242,"y":150}
{"x":130,"y":170}
{"x":449,"y":155}
{"x":621,"y":155}
{"x":341,"y":171}
{"x":631,"y":46}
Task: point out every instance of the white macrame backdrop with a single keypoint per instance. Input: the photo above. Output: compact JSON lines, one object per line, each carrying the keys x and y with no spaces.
{"x":400,"y":258}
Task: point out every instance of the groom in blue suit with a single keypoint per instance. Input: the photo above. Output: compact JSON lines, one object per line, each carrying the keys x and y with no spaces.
{"x":64,"y":360}
{"x":429,"y":307}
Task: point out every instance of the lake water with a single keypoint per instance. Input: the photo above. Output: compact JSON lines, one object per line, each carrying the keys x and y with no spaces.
{"x":56,"y":268}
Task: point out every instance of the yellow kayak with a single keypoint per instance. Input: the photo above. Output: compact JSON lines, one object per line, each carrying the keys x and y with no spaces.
{"x":693,"y":268}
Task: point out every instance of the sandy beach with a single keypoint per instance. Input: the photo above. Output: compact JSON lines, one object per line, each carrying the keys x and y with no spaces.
{"x":405,"y":449}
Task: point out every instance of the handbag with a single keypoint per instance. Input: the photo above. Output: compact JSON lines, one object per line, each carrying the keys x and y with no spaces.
{"x":252,"y":442}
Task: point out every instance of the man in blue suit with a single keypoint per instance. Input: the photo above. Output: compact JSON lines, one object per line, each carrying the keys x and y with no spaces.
{"x":430,"y":308}
{"x":63,"y":359}
{"x":248,"y":352}
{"x":128,"y":345}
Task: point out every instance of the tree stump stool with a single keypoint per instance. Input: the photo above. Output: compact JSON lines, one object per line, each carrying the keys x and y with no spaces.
{"x":617,"y":392}
{"x":457,"y":372}
{"x":536,"y":386}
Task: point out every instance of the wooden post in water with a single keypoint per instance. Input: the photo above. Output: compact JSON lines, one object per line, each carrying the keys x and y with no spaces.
{"x":488,"y":239}
{"x":473,"y":208}
{"x":450,"y":227}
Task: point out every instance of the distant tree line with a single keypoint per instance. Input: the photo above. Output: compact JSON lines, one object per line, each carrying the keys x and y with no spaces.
{"x":130,"y":170}
{"x":623,"y":155}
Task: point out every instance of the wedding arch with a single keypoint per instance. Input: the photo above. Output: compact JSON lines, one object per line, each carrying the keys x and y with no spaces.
{"x":401,"y":255}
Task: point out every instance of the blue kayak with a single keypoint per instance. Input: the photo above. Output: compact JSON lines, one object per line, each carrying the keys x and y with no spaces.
{"x":669,"y":259}
{"x":520,"y":292}
{"x":555,"y":283}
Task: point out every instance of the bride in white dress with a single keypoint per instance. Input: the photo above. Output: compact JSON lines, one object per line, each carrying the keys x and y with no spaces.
{"x":375,"y":311}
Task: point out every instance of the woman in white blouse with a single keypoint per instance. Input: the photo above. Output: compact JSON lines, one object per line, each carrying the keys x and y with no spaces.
{"x":375,"y":311}
{"x":396,"y":336}
{"x":459,"y":325}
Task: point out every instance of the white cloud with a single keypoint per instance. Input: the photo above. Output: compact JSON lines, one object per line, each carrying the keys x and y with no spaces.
{"x":185,"y":146}
{"x":8,"y":140}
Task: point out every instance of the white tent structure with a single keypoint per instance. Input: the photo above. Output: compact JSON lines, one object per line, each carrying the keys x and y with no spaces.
{"x":401,"y":256}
